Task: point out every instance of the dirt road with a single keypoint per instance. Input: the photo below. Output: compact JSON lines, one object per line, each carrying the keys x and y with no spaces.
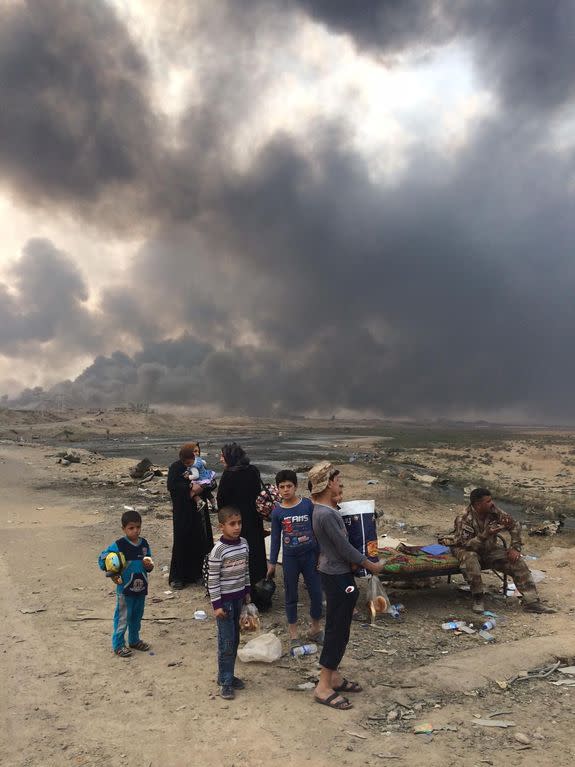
{"x":66,"y":700}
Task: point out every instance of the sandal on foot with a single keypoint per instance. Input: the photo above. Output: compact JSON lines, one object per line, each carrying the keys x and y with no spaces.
{"x":142,"y":646}
{"x":123,"y":652}
{"x":332,"y":701}
{"x":317,"y":638}
{"x":347,"y":686}
{"x":295,"y":643}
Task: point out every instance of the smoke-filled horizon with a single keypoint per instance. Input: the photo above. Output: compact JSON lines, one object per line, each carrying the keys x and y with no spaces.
{"x":297,"y":249}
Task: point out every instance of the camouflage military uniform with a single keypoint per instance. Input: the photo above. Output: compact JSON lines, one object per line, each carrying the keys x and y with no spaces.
{"x":477,"y":549}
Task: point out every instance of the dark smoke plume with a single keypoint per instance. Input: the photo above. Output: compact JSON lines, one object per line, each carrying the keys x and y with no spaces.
{"x":300,"y":282}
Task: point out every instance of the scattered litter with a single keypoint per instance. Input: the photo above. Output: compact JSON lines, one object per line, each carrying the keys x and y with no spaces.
{"x":458,"y":627}
{"x":464,"y":587}
{"x":502,"y":684}
{"x":40,"y":508}
{"x":520,"y":737}
{"x":372,"y":482}
{"x":200,"y":615}
{"x":502,"y":723}
{"x":423,"y":728}
{"x":173,"y":663}
{"x":304,"y":686}
{"x":168,"y":592}
{"x":129,"y":508}
{"x":451,"y":625}
{"x":165,"y":568}
{"x":498,"y":713}
{"x":486,"y":636}
{"x":355,"y":734}
{"x":32,"y":610}
{"x":181,"y":708}
{"x":387,"y":756}
{"x":303,"y":649}
{"x":488,"y":625}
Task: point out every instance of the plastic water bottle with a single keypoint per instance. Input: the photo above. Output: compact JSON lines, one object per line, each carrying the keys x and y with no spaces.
{"x":451,"y":625}
{"x":489,"y":624}
{"x":304,"y":649}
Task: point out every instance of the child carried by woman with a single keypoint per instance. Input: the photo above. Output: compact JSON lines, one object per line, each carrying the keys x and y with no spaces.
{"x":199,"y":474}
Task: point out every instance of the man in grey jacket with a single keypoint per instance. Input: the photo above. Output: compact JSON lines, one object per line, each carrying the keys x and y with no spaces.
{"x":338,"y":560}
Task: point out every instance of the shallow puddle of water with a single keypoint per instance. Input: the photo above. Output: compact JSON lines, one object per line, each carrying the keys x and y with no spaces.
{"x":272,"y":453}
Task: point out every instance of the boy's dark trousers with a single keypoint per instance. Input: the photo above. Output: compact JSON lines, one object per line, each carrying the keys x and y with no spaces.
{"x":341,"y":596}
{"x":228,"y":640}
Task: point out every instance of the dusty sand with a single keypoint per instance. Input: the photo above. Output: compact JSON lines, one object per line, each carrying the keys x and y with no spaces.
{"x":68,"y":700}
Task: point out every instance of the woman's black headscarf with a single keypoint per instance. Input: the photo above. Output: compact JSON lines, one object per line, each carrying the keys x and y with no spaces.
{"x":235,"y":456}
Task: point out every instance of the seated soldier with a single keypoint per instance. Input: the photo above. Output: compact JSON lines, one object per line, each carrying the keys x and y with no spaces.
{"x":476,"y":548}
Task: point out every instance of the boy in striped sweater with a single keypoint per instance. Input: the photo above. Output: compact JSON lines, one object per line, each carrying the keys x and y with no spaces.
{"x":229,"y":587}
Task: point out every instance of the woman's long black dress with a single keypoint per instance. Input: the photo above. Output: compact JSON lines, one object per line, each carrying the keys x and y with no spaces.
{"x":193,"y":537}
{"x":239,"y":487}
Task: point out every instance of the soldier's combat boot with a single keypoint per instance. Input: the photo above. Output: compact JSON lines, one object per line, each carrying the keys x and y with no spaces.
{"x":478,"y":606}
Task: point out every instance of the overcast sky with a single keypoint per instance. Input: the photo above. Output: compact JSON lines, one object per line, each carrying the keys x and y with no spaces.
{"x":281,"y":206}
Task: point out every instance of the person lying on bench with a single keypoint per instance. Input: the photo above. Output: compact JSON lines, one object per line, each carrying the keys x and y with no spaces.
{"x":476,"y":548}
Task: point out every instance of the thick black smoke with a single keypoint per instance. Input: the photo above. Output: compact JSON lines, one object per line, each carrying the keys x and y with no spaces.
{"x":299,"y":282}
{"x":46,"y":304}
{"x":76,"y":125}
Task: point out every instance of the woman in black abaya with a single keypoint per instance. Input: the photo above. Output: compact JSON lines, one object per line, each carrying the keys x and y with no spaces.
{"x":193,"y":537}
{"x":239,"y":486}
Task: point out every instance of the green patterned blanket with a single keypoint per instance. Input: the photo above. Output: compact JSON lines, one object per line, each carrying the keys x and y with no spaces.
{"x":410,"y":560}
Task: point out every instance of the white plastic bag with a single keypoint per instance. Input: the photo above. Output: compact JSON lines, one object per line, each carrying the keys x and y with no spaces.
{"x":265,"y":648}
{"x":377,"y":599}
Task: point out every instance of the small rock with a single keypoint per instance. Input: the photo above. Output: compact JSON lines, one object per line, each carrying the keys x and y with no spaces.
{"x":520,"y":737}
{"x":392,"y":716}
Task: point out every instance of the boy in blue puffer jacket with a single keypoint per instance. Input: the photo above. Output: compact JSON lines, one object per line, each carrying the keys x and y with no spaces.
{"x":131,"y":584}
